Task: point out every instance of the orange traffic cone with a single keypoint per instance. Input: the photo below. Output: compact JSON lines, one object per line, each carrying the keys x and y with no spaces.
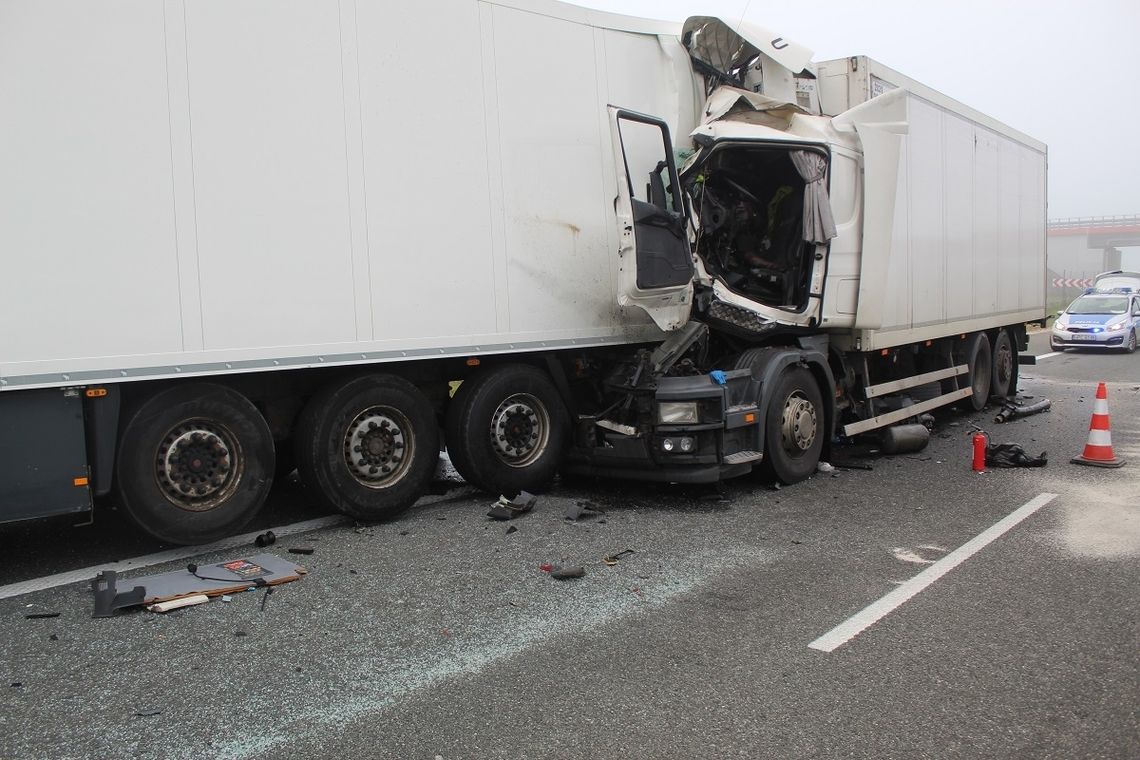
{"x":1098,"y":450}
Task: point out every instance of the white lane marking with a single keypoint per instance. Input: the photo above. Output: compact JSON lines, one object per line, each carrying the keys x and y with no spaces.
{"x":868,"y":616}
{"x":1049,"y":355}
{"x":171,"y":555}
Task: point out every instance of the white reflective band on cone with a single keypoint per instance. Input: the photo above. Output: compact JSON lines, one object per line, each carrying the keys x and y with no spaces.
{"x":1100,"y":438}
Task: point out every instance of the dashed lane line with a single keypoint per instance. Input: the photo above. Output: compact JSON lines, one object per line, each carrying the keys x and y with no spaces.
{"x":868,"y":616}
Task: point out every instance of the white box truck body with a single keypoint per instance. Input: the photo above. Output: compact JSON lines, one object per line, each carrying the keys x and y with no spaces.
{"x":239,"y":238}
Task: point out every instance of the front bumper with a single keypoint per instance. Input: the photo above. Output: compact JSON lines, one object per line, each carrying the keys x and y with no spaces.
{"x":1082,"y":339}
{"x":723,"y":443}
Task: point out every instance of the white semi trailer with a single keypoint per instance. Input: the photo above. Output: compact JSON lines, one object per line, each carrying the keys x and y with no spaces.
{"x":239,"y":237}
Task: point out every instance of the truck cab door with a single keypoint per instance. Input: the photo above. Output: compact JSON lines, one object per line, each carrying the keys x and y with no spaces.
{"x":655,"y":261}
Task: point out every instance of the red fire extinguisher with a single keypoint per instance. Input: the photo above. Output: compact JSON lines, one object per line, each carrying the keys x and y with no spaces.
{"x":980,"y":451}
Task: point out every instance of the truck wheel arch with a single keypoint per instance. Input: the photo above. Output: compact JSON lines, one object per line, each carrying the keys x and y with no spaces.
{"x":768,"y":363}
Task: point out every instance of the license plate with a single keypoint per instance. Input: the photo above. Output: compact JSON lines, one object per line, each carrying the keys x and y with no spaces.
{"x":1084,"y":336}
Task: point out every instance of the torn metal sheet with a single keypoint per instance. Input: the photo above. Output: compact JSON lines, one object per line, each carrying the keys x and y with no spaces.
{"x":509,"y":509}
{"x":108,"y":598}
{"x":726,"y":50}
{"x":221,"y":578}
{"x":217,"y":579}
{"x":735,"y":104}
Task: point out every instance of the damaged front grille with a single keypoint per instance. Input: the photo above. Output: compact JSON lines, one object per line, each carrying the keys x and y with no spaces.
{"x":741,"y":319}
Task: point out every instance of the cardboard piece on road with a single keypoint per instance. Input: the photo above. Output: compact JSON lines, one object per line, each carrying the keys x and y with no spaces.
{"x":230,"y":577}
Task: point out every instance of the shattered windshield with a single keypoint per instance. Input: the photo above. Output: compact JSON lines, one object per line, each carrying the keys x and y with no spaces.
{"x":1098,"y":305}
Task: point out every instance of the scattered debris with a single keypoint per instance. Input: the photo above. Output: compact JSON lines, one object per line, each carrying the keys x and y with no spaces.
{"x":512,"y":529}
{"x":240,"y":634}
{"x":306,"y":550}
{"x":108,"y":598}
{"x":41,"y":615}
{"x":546,"y":567}
{"x":54,"y":637}
{"x":227,"y":598}
{"x":1013,"y":411}
{"x":824,"y":467}
{"x":17,"y":684}
{"x":1012,"y":455}
{"x":405,"y":532}
{"x":147,"y":713}
{"x":218,"y":579}
{"x":174,"y":604}
{"x":265,"y":539}
{"x":562,"y":572}
{"x":854,"y":466}
{"x":265,"y":597}
{"x":613,"y":559}
{"x":580,"y":509}
{"x":509,"y":509}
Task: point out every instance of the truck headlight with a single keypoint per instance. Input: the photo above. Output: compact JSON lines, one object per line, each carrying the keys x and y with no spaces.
{"x":677,"y":413}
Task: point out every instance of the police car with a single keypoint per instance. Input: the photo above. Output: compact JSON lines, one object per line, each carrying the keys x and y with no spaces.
{"x":1107,"y":318}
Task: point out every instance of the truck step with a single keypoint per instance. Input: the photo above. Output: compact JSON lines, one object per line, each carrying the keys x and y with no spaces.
{"x":862,"y":426}
{"x":743,"y":457}
{"x":894,"y":386}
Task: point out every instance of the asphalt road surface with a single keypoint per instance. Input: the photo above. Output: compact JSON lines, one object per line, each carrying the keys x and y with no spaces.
{"x":991,"y":615}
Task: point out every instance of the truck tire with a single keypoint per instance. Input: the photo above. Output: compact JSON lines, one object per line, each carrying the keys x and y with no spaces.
{"x":195,"y":463}
{"x":794,"y":427}
{"x":507,"y":430}
{"x":1004,"y":365}
{"x":367,"y":447}
{"x":980,"y":363}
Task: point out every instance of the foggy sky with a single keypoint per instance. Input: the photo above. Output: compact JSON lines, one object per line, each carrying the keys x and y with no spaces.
{"x":1066,"y":73}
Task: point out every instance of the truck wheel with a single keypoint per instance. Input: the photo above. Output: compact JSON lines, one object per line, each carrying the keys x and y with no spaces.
{"x":367,"y":447}
{"x":794,"y":427}
{"x":195,"y":463}
{"x":1004,"y":365}
{"x":981,"y":370}
{"x":507,"y":429}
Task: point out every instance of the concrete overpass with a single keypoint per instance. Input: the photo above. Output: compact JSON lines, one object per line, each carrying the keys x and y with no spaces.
{"x":1082,"y":247}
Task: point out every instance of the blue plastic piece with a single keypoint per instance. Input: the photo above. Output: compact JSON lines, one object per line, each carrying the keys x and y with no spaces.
{"x":718,"y":376}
